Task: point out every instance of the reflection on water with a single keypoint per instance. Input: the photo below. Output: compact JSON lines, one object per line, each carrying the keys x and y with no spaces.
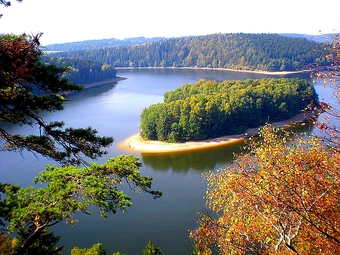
{"x":201,"y":160}
{"x":93,"y":91}
{"x":114,"y":110}
{"x":193,"y":160}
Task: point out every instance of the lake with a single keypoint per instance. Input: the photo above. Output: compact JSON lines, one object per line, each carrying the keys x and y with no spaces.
{"x":114,"y":110}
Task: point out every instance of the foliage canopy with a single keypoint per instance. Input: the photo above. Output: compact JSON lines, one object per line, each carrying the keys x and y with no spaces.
{"x":82,"y":71}
{"x":268,"y":52}
{"x":210,"y":109}
{"x":280,"y":198}
{"x":28,"y":87}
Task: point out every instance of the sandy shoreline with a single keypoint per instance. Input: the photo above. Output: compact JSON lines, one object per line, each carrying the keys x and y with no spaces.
{"x":222,"y":69}
{"x":136,"y":143}
{"x":116,"y":79}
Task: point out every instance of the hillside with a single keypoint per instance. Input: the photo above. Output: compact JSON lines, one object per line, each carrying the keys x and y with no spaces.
{"x":99,"y":44}
{"x":321,"y":38}
{"x":82,"y":71}
{"x":267,"y":52}
{"x":112,"y":42}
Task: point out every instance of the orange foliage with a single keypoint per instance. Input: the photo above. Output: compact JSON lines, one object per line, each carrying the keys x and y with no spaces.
{"x":330,"y":75}
{"x":5,"y":244}
{"x":17,"y":55}
{"x":281,"y":198}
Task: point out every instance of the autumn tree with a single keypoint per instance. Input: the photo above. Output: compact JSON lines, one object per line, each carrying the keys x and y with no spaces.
{"x":28,"y":87}
{"x":329,"y":75}
{"x":280,"y":198}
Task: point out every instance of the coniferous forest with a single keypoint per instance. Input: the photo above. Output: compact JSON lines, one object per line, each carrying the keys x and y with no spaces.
{"x":82,"y":71}
{"x":210,"y":109}
{"x":279,"y":194}
{"x":267,"y":52}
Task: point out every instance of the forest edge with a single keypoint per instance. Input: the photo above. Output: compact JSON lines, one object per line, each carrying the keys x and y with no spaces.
{"x":136,"y":143}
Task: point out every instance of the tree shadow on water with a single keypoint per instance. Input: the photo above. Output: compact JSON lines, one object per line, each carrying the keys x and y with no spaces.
{"x":205,"y":159}
{"x":198,"y":160}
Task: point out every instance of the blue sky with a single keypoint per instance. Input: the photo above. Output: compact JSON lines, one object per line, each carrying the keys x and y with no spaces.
{"x":76,"y":20}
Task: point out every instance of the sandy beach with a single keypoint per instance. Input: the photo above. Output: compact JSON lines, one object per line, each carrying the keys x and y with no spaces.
{"x":136,"y":143}
{"x":222,"y":69}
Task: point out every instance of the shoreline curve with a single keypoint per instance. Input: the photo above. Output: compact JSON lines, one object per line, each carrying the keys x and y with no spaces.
{"x":136,"y":143}
{"x":98,"y":83}
{"x":221,"y":69}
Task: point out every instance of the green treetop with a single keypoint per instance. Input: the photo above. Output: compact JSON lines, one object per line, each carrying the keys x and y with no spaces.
{"x":28,"y":87}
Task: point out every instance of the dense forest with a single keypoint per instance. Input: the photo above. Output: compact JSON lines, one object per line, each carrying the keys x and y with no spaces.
{"x":268,"y":52}
{"x":210,"y":109}
{"x":82,"y":71}
{"x":112,"y":42}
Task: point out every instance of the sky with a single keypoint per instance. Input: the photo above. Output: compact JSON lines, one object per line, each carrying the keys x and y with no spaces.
{"x":64,"y":21}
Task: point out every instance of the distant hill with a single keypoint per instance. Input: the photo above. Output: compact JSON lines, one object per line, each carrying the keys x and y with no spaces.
{"x":112,"y":42}
{"x":99,"y":44}
{"x":267,"y":52}
{"x":317,"y":38}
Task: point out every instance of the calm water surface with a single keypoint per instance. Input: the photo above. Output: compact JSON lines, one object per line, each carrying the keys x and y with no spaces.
{"x":114,"y":110}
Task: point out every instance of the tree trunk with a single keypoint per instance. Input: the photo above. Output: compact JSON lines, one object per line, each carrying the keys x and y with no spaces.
{"x":30,"y":240}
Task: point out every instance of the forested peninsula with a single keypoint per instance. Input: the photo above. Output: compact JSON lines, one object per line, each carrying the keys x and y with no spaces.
{"x":252,"y":52}
{"x":136,"y":143}
{"x":210,"y":109}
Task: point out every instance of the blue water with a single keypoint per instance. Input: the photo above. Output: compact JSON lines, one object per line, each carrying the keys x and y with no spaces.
{"x":114,"y":110}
